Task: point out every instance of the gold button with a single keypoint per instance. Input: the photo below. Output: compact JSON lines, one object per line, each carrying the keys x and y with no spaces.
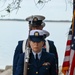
{"x":46,"y":68}
{"x":36,"y":72}
{"x":28,"y":68}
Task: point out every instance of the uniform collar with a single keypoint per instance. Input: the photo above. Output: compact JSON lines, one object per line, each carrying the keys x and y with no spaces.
{"x":39,"y":54}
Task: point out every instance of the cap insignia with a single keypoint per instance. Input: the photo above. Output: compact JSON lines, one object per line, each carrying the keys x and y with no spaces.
{"x":35,"y":19}
{"x":36,"y":34}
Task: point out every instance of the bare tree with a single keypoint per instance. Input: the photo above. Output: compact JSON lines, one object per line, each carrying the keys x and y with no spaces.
{"x":16,"y":4}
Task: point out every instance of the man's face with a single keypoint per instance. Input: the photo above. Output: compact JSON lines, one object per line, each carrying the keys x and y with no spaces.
{"x":37,"y":27}
{"x":36,"y":46}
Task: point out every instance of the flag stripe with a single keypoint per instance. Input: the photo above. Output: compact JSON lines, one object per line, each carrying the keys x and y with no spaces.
{"x":69,"y":42}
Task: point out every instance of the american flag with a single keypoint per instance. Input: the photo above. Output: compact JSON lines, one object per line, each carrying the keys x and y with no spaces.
{"x":68,"y":67}
{"x":65,"y":66}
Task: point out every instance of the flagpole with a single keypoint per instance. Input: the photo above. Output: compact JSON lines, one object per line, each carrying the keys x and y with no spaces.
{"x":73,"y":16}
{"x":73,"y":8}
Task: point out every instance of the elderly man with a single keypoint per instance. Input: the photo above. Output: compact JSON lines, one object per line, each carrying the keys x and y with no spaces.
{"x":35,"y":22}
{"x":40,"y":61}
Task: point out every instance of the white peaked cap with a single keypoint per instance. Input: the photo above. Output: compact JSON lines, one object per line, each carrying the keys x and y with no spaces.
{"x":36,"y":33}
{"x":39,"y":33}
{"x":30,"y":18}
{"x":38,"y":19}
{"x":46,"y":33}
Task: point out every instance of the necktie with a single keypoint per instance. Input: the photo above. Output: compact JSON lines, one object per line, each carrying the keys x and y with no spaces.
{"x":37,"y":60}
{"x":37,"y":57}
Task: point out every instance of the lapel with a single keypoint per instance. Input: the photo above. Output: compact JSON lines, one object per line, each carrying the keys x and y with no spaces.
{"x":43,"y":58}
{"x":32,"y":60}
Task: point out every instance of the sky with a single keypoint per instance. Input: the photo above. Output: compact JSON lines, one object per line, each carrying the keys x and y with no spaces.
{"x":13,"y":31}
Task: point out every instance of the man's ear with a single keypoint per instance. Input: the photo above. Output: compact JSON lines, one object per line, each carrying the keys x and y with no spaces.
{"x":43,"y":43}
{"x":41,"y":27}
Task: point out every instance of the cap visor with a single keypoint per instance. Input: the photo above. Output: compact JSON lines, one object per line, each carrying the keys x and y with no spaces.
{"x":36,"y":39}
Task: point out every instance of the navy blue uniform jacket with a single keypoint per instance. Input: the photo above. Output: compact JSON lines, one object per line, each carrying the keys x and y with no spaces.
{"x":18,"y":51}
{"x":46,"y":65}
